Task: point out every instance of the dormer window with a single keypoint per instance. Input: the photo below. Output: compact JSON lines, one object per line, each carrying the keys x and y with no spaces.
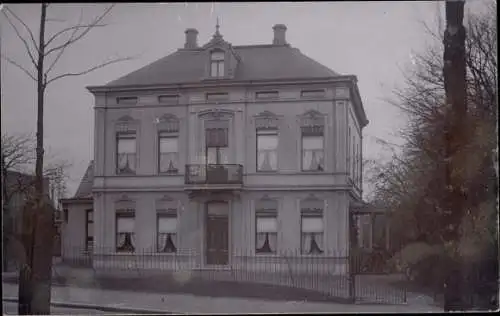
{"x":217,"y":64}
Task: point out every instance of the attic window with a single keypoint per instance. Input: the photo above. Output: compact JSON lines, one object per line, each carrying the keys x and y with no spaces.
{"x":217,"y":64}
{"x":320,"y":93}
{"x":217,"y":96}
{"x":169,"y":99}
{"x":126,"y":100}
{"x":267,"y":95}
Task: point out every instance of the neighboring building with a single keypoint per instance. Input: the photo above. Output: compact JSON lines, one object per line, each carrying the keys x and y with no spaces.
{"x":219,"y":153}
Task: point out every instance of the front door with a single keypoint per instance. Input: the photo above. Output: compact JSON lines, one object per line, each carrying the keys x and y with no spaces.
{"x":217,"y":233}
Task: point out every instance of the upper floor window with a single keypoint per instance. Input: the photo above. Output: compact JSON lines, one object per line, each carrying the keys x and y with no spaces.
{"x":168,"y":161}
{"x":217,"y":64}
{"x":217,"y":96}
{"x":126,"y":100}
{"x":266,"y":125}
{"x":168,"y":144}
{"x":217,"y":142}
{"x":126,"y":152}
{"x":169,"y":99}
{"x":320,"y":93}
{"x":267,"y":95}
{"x":312,"y":137}
{"x":267,"y":150}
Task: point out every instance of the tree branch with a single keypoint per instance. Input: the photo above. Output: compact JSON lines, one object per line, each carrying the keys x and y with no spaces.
{"x":88,"y":70}
{"x":63,"y":49}
{"x":87,"y":29}
{"x":18,"y":66}
{"x":25,"y":42}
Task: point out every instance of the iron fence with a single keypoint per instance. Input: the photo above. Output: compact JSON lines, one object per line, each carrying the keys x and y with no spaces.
{"x":330,"y":274}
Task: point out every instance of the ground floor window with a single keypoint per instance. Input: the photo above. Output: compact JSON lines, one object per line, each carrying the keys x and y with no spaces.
{"x":167,"y":232}
{"x":125,"y":227}
{"x":266,"y":233}
{"x":312,"y":234}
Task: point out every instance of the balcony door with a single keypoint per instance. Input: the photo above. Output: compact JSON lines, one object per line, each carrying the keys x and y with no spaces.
{"x":217,"y":146}
{"x":217,"y":233}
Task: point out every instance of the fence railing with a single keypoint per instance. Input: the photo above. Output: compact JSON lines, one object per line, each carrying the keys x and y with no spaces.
{"x":214,"y":174}
{"x":330,"y":273}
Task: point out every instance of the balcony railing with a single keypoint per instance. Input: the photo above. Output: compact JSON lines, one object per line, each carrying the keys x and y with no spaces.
{"x":214,"y":174}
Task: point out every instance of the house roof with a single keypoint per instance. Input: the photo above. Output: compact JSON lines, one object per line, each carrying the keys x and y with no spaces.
{"x":85,"y":188}
{"x":258,"y":62}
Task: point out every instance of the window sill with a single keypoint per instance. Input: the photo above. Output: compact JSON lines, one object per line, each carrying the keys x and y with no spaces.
{"x":312,"y":171}
{"x":125,"y":174}
{"x":169,"y":174}
{"x":266,"y":255}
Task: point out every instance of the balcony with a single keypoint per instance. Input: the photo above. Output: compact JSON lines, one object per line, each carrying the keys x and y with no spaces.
{"x":214,"y":176}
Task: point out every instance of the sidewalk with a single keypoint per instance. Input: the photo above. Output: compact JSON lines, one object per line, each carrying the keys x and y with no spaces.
{"x":180,"y":303}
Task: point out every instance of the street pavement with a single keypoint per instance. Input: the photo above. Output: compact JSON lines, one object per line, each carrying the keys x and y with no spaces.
{"x":10,"y":308}
{"x":184,"y":303}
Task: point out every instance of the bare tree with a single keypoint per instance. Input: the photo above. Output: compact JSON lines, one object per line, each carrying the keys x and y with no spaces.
{"x":18,"y":181}
{"x":413,"y":184}
{"x":35,"y":276}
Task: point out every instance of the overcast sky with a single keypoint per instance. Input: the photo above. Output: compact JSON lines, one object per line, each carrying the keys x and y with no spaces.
{"x":372,"y":40}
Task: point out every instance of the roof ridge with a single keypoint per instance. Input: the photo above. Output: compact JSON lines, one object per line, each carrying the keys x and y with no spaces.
{"x":261,"y":46}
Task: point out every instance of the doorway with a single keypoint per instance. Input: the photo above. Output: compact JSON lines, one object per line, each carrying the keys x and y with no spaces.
{"x":217,"y":233}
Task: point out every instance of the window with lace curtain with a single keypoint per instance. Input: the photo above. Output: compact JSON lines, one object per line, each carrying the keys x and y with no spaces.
{"x":167,"y":231}
{"x":168,"y":159}
{"x":217,"y":145}
{"x":126,"y":153}
{"x":267,"y":150}
{"x":312,"y":141}
{"x":125,"y":228}
{"x":312,"y":228}
{"x":266,"y":226}
{"x":312,"y":149}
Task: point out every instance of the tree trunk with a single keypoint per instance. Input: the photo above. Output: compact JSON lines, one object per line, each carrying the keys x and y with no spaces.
{"x":454,"y":72}
{"x":35,"y":276}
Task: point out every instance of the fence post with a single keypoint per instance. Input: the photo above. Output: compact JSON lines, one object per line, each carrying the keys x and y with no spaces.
{"x":289,"y":269}
{"x":352,"y":277}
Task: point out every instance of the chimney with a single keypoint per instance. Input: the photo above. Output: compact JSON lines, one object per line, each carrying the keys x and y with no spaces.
{"x":279,"y":34}
{"x":191,"y":39}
